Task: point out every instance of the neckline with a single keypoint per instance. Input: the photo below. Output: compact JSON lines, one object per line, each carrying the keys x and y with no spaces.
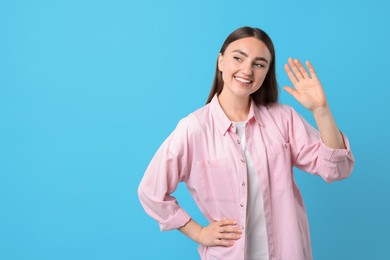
{"x":241,"y":123}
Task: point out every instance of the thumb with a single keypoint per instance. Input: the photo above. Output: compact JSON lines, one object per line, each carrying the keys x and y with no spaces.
{"x":292,"y":91}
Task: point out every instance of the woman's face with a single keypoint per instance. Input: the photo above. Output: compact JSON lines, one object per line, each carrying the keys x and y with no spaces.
{"x":244,"y":66}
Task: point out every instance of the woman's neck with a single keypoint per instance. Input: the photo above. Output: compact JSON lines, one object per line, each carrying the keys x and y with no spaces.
{"x":236,"y":109}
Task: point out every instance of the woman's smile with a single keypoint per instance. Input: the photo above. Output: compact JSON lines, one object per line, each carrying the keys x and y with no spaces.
{"x":243,"y":80}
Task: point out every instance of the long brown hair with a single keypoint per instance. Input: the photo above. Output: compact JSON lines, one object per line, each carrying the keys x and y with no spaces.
{"x":268,"y":92}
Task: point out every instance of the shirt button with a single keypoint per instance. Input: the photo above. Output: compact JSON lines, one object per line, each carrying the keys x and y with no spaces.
{"x":285,"y":146}
{"x":243,"y":183}
{"x":238,"y":141}
{"x":241,"y":205}
{"x":242,"y":160}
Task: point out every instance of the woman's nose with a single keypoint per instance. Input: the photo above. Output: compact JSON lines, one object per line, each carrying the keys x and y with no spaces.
{"x":247,"y":69}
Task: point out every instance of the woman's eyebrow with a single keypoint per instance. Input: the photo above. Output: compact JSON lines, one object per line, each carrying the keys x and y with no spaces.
{"x":246,"y":55}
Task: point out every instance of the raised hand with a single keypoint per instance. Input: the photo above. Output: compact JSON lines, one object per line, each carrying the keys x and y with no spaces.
{"x":307,"y":88}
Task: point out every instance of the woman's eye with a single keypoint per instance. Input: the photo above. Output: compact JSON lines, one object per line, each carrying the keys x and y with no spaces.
{"x":259,"y":65}
{"x":237,"y":58}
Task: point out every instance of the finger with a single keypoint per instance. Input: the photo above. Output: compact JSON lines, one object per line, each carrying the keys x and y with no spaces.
{"x":295,"y":69}
{"x":292,"y":91}
{"x":301,"y":69}
{"x":230,"y":229}
{"x":290,"y":74}
{"x":229,"y":236}
{"x":225,"y":243}
{"x":311,"y":69}
{"x":233,"y":230}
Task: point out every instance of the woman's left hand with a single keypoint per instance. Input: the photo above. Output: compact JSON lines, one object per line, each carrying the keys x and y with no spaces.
{"x":307,"y":88}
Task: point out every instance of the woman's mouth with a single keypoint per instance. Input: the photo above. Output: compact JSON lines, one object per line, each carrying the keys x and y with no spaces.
{"x":243,"y":80}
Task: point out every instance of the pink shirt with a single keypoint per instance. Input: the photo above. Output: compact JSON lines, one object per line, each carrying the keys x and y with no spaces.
{"x":205,"y":153}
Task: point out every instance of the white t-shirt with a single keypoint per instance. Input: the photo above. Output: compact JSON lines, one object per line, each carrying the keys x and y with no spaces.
{"x":256,"y":243}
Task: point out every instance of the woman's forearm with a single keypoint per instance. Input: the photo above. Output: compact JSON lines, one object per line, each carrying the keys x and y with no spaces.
{"x":330,"y":134}
{"x":192,"y":230}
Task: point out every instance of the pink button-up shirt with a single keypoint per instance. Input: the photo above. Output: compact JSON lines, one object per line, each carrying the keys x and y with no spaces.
{"x":205,"y":153}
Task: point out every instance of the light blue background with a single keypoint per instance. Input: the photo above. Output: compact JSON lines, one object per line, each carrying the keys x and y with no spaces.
{"x":90,"y":89}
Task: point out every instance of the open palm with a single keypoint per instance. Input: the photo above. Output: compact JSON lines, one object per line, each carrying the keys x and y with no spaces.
{"x":307,"y":88}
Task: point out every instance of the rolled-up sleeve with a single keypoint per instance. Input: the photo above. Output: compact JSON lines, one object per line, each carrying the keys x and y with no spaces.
{"x":337,"y":163}
{"x":310,"y":154}
{"x":167,"y":168}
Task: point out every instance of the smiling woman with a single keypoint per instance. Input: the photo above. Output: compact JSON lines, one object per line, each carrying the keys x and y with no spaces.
{"x":236,"y":155}
{"x":269,"y":92}
{"x":244,"y":67}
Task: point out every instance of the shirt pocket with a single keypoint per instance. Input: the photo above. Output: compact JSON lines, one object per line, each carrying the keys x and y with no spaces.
{"x":215,"y":180}
{"x":280,"y":167}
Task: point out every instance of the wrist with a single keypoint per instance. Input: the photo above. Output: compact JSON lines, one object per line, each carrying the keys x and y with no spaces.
{"x":199,"y":236}
{"x":192,"y":230}
{"x":321,"y":111}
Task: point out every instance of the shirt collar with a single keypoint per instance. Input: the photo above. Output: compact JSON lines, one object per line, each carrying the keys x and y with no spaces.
{"x":223,"y":123}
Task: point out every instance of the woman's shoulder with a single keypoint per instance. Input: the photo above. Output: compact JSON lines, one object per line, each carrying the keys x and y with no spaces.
{"x":195,"y":121}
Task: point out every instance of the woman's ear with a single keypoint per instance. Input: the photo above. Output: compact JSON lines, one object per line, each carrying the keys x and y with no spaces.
{"x":220,"y":62}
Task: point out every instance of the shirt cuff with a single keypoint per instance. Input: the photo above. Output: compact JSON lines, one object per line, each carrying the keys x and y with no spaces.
{"x":176,"y":221}
{"x":335,"y":155}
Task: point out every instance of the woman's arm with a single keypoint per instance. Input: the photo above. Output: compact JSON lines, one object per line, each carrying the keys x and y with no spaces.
{"x":328,"y":129}
{"x":309,"y":92}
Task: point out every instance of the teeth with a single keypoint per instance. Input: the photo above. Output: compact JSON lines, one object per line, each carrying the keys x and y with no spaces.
{"x":243,"y":80}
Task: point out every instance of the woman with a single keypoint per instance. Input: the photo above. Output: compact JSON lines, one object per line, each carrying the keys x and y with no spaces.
{"x":236,"y":156}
